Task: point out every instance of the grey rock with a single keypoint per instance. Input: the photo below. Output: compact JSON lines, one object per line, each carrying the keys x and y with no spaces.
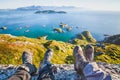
{"x":64,"y":71}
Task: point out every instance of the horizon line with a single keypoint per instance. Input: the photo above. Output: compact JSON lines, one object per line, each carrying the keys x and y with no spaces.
{"x":59,"y":6}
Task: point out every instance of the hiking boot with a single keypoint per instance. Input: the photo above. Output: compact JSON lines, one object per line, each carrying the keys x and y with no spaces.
{"x":27,"y":57}
{"x":47,"y":70}
{"x":48,"y":55}
{"x":79,"y":57}
{"x":89,"y":53}
{"x":80,"y":61}
{"x":47,"y":58}
{"x":27,"y":63}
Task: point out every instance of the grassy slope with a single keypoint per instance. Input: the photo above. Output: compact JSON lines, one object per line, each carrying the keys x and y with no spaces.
{"x":11,"y":49}
{"x":111,"y":54}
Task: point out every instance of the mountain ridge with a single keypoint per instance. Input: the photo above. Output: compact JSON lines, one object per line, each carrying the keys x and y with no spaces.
{"x":38,"y":7}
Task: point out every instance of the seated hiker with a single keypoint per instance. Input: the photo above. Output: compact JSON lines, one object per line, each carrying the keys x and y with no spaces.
{"x":27,"y":69}
{"x":85,"y":66}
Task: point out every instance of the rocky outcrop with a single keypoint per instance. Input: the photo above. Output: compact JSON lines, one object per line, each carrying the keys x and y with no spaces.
{"x":59,"y":30}
{"x":3,"y":28}
{"x":84,"y":38}
{"x":64,"y":71}
{"x":86,"y":35}
{"x":67,"y":71}
{"x":115,"y":39}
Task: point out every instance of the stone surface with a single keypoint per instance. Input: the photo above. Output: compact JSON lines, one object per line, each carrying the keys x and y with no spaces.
{"x":64,"y":72}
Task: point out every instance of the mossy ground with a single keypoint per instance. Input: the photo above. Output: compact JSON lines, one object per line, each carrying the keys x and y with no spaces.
{"x":110,"y":55}
{"x":11,"y":49}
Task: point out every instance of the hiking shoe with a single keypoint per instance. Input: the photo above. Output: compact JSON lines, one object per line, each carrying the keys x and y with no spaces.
{"x":79,"y":57}
{"x":48,"y":55}
{"x":27,"y":63}
{"x":26,"y":57}
{"x":47,"y":58}
{"x":80,"y":61}
{"x":47,"y":70}
{"x":89,"y":53}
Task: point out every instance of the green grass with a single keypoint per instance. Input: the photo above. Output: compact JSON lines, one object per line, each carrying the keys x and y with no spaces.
{"x":11,"y":49}
{"x":111,"y":54}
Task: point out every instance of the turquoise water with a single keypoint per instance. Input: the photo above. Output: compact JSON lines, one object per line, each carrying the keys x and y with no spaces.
{"x":97,"y":22}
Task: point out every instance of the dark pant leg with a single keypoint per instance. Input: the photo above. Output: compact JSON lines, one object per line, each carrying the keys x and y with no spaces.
{"x":20,"y":75}
{"x":108,"y":77}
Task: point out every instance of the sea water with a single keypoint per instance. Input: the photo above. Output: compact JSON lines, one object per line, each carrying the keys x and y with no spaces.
{"x":29,"y":24}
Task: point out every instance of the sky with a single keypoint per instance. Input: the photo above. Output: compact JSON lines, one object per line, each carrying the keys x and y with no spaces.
{"x":112,"y":5}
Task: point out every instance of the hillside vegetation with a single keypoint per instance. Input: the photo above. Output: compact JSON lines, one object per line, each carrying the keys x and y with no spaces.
{"x":11,"y":48}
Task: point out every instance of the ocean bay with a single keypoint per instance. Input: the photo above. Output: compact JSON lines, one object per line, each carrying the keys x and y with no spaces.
{"x":26,"y":23}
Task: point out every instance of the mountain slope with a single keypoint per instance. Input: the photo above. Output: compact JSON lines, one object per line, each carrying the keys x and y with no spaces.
{"x":11,"y":48}
{"x":115,"y":39}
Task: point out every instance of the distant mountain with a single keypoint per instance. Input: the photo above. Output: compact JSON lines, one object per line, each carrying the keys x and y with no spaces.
{"x":34,"y":8}
{"x":29,"y":8}
{"x":115,"y":39}
{"x":47,"y":8}
{"x":57,"y":7}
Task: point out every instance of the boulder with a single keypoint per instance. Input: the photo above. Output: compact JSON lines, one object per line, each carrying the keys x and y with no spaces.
{"x":86,"y":35}
{"x":3,"y":28}
{"x":64,"y":71}
{"x":59,"y":30}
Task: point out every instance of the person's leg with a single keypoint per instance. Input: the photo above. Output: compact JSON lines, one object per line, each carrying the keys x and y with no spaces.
{"x":88,"y":70}
{"x":89,"y":53}
{"x":46,"y":69}
{"x":26,"y":69}
{"x":47,"y":58}
{"x":20,"y":75}
{"x":108,"y":77}
{"x":93,"y":72}
{"x":92,"y":67}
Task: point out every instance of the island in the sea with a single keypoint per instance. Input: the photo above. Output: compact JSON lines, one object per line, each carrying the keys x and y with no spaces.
{"x":50,"y":12}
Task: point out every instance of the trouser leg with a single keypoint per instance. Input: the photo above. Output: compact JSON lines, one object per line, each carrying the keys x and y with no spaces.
{"x":20,"y":75}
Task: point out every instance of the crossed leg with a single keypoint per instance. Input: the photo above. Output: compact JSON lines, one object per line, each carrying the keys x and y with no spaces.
{"x":85,"y":66}
{"x":25,"y":71}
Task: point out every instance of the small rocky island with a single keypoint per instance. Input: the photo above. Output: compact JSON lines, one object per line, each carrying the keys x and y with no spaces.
{"x":50,"y":12}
